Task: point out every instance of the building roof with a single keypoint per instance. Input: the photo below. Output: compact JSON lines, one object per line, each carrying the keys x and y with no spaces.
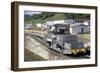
{"x":75,"y":25}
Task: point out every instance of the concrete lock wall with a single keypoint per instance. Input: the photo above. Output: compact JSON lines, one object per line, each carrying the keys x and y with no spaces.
{"x":35,"y":47}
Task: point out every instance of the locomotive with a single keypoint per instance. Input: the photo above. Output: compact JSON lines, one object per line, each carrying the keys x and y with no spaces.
{"x":60,"y":39}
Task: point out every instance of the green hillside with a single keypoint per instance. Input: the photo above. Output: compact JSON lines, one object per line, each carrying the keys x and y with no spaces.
{"x":50,"y":16}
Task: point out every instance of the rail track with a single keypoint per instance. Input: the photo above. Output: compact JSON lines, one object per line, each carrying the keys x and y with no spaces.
{"x":53,"y":53}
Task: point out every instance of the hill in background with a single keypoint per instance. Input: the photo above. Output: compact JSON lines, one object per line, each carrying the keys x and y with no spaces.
{"x":51,"y":16}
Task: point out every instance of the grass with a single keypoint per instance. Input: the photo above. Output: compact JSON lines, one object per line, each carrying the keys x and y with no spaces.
{"x":85,"y":37}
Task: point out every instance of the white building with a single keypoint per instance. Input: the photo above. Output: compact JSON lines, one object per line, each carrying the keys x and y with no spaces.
{"x":28,"y":26}
{"x":68,"y":21}
{"x":39,"y":25}
{"x":78,"y":28}
{"x":55,"y":22}
{"x":75,"y":27}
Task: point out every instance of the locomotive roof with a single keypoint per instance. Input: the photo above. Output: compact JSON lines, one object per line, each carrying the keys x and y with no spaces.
{"x":61,"y":25}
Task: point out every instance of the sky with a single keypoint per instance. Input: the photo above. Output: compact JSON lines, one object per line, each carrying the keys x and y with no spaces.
{"x":31,"y":12}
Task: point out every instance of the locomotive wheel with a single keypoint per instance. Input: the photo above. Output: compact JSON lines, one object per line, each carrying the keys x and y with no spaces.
{"x":49,"y":44}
